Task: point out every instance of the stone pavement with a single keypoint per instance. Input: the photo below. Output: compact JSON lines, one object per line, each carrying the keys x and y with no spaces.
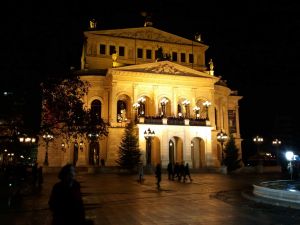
{"x":115,"y":199}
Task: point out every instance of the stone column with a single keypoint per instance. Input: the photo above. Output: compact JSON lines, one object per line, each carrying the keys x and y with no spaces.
{"x":113,"y":104}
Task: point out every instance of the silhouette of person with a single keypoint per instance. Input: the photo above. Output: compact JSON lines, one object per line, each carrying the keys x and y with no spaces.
{"x":158,"y":175}
{"x":181,"y":171}
{"x":65,"y":200}
{"x":176,"y":171}
{"x":170,"y":171}
{"x":140,"y":172}
{"x":102,"y":162}
{"x":187,"y":173}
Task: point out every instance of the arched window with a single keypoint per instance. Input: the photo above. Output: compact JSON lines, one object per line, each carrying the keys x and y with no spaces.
{"x":179,"y":110}
{"x":121,"y":111}
{"x":96,"y":108}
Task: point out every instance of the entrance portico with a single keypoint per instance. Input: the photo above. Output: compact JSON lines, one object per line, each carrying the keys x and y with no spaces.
{"x":175,"y":143}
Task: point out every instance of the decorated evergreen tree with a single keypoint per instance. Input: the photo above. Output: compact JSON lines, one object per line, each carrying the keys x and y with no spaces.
{"x":231,"y":160}
{"x":129,"y":152}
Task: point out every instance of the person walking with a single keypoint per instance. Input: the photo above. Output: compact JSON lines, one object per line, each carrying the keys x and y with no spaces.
{"x":170,"y":171}
{"x":187,"y":173}
{"x":65,"y":200}
{"x":158,"y":175}
{"x":176,"y":171}
{"x":181,"y":171}
{"x":140,"y":172}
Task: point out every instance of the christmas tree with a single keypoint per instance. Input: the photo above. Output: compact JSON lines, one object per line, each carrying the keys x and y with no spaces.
{"x":129,"y":152}
{"x":231,"y":160}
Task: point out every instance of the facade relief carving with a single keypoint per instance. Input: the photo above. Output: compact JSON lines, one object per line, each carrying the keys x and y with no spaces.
{"x":151,"y":36}
{"x":165,"y":69}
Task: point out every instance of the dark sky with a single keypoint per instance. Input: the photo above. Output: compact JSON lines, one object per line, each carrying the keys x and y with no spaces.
{"x":255,"y":47}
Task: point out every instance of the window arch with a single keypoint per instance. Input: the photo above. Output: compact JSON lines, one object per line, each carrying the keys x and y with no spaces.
{"x":96,"y":108}
{"x":121,"y":111}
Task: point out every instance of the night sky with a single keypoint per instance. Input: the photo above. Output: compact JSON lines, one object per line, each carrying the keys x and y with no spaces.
{"x":255,"y":47}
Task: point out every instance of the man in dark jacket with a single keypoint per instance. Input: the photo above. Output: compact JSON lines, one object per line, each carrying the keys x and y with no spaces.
{"x":65,"y":200}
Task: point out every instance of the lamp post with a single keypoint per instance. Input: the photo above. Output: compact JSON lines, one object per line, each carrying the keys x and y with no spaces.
{"x":290,"y":156}
{"x":136,"y":107}
{"x":63,"y":146}
{"x":222,"y":137}
{"x":207,"y":104}
{"x":25,"y":139}
{"x":258,"y":140}
{"x":141,"y":107}
{"x":148,"y":134}
{"x":163,"y":103}
{"x":28,"y":143}
{"x":196,"y":109}
{"x":93,"y":152}
{"x":276,"y":143}
{"x":186,"y":104}
{"x":81,"y":145}
{"x":47,"y":138}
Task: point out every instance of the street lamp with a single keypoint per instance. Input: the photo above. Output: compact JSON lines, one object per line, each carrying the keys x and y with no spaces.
{"x":81,"y":145}
{"x":163,"y":103}
{"x":136,"y":107}
{"x":196,"y":109}
{"x":222,"y":137}
{"x":207,"y":104}
{"x":63,"y":147}
{"x":27,"y":143}
{"x":25,"y":139}
{"x":141,"y":101}
{"x":148,"y":135}
{"x":276,"y":143}
{"x":290,"y":157}
{"x":258,"y":140}
{"x":186,"y":104}
{"x":47,"y":138}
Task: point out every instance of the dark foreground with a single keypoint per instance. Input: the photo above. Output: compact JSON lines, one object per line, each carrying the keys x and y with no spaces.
{"x":211,"y":199}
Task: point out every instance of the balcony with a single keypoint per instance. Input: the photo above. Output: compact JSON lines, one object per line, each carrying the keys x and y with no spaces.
{"x":173,"y":121}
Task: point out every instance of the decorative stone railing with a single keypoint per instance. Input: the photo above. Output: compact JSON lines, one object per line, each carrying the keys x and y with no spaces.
{"x":174,"y":121}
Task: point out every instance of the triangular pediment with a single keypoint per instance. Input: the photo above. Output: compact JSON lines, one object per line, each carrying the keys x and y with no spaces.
{"x":146,"y":33}
{"x":165,"y":67}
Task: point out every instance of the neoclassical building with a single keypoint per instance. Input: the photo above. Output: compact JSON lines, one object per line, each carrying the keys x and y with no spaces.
{"x":165,"y":84}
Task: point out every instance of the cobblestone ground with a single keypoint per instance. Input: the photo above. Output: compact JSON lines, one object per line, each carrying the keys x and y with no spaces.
{"x":112,"y":199}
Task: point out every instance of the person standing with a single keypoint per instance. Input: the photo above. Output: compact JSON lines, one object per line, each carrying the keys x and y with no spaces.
{"x":158,"y":175}
{"x":65,"y":200}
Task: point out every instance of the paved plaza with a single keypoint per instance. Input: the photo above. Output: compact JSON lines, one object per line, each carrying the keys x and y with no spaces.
{"x":118,"y":199}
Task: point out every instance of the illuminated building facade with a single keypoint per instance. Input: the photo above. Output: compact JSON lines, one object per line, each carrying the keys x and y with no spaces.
{"x":161,"y":81}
